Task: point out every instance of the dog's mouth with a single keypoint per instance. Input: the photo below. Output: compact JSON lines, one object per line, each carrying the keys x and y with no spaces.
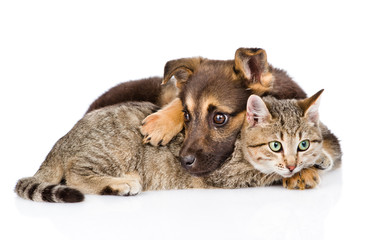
{"x":203,"y":160}
{"x":203,"y":167}
{"x":196,"y":171}
{"x":199,"y":173}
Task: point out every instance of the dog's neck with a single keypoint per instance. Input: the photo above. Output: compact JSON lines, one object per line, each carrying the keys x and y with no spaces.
{"x":237,"y":172}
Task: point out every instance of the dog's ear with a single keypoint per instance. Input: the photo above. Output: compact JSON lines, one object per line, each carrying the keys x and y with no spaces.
{"x":310,"y":107}
{"x":181,"y":69}
{"x":256,"y":111}
{"x":253,"y":65}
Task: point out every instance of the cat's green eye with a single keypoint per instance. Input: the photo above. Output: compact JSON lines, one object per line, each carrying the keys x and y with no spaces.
{"x":304,"y":145}
{"x":275,"y":146}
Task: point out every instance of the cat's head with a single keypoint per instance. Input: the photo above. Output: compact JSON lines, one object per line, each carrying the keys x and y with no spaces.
{"x":282,"y":136}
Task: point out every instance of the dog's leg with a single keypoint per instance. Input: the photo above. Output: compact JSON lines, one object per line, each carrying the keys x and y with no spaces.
{"x":160,"y":127}
{"x":144,"y":90}
{"x":305,"y":179}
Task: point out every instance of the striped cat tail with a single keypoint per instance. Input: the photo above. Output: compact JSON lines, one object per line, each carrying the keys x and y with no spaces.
{"x":33,"y":189}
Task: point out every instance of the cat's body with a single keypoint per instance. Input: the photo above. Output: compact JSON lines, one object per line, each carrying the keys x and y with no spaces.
{"x":104,"y":154}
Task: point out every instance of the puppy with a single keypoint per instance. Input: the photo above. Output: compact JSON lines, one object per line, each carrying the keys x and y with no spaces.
{"x":210,"y":104}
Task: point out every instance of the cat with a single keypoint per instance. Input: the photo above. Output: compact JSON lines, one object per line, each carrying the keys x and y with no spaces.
{"x":286,"y":136}
{"x":280,"y":141}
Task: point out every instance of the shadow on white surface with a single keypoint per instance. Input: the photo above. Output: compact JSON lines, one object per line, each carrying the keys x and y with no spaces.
{"x":255,"y":213}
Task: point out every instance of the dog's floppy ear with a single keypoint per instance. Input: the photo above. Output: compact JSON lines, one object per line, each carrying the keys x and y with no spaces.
{"x":253,"y":65}
{"x":181,"y":69}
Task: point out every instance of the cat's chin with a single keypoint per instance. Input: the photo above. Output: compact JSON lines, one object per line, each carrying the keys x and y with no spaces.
{"x":287,"y":175}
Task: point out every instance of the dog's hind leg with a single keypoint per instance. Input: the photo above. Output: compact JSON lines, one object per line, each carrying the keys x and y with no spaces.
{"x":144,"y":90}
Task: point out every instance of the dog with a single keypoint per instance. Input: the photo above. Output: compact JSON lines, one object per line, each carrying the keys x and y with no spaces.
{"x":210,"y":103}
{"x":147,"y":90}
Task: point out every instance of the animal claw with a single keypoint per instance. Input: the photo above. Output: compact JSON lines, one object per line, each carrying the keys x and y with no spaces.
{"x":146,"y":140}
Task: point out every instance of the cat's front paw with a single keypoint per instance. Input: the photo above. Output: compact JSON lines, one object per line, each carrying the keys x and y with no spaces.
{"x":325,"y":162}
{"x":306,"y":179}
{"x":160,"y":127}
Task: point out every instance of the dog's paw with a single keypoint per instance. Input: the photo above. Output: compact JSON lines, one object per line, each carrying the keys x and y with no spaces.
{"x":160,"y":127}
{"x":306,"y":179}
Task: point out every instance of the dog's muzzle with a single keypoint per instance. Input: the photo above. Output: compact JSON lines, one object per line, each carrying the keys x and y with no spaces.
{"x":188,"y":161}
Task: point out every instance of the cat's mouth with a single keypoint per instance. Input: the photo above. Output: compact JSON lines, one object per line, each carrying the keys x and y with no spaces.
{"x":288,"y":175}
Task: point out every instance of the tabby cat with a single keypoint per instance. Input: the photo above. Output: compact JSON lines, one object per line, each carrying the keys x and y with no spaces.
{"x":281,"y":140}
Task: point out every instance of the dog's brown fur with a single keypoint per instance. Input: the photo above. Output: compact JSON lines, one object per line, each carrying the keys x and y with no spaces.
{"x":148,"y":89}
{"x":210,"y":87}
{"x":172,"y":115}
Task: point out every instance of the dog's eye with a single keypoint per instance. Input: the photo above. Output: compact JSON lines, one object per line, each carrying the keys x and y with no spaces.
{"x":220,"y":119}
{"x":186,"y":116}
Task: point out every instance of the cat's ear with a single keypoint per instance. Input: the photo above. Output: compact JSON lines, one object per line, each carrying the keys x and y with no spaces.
{"x":310,"y":107}
{"x":256,"y":111}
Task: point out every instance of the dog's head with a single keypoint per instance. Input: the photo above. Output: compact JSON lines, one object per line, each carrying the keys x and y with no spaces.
{"x":214,"y":95}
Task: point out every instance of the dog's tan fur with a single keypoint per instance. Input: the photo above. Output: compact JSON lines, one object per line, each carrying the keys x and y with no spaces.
{"x":306,"y":179}
{"x":171,"y":114}
{"x":223,"y":85}
{"x":203,"y":83}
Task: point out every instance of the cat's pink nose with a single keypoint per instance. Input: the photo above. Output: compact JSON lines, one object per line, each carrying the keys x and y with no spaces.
{"x":291,"y":168}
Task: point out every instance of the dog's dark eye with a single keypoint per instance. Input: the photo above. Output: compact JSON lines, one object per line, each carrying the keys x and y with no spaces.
{"x":220,"y":119}
{"x":186,"y":116}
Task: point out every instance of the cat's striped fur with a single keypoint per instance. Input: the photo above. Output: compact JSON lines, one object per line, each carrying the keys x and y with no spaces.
{"x":104,"y":154}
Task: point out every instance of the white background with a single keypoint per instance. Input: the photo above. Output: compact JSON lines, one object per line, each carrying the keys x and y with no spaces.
{"x":56,"y":57}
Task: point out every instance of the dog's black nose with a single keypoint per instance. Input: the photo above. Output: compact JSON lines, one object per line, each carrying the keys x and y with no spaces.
{"x":189,"y":160}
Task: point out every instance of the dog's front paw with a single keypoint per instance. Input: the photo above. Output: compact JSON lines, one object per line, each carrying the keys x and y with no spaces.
{"x":306,"y":179}
{"x":160,"y":127}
